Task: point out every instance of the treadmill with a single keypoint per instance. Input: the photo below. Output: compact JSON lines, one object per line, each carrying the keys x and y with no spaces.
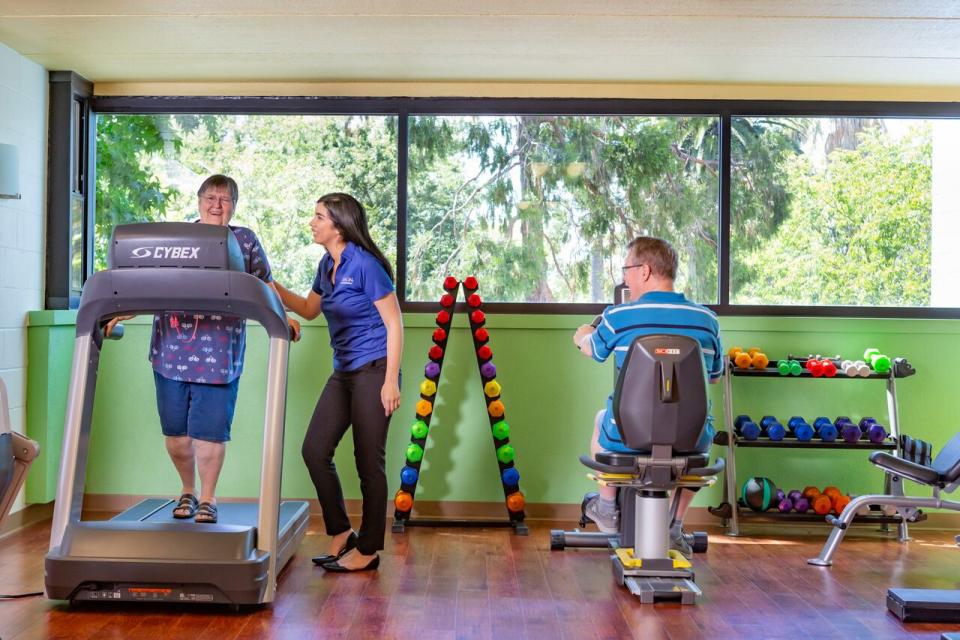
{"x":144,"y":554}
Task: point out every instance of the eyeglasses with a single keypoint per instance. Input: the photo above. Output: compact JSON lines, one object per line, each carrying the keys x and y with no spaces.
{"x":223,"y":200}
{"x":632,"y":266}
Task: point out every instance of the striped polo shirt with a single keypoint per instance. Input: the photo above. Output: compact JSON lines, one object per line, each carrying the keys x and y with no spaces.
{"x":656,"y":312}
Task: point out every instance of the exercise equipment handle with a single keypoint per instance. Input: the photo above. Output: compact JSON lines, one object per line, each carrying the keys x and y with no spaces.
{"x":718,"y":465}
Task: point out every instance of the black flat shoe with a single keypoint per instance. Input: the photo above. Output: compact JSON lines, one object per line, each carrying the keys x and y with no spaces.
{"x":336,"y":567}
{"x":351,"y":543}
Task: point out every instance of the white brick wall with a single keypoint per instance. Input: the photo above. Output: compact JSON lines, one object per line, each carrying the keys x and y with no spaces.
{"x":23,"y":122}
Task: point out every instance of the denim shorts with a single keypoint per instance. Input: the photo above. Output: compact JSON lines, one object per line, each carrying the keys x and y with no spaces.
{"x":610,"y":438}
{"x":200,"y":411}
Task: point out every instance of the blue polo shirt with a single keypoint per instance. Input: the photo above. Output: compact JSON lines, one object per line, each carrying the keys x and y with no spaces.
{"x":663,"y":312}
{"x":357,"y":332}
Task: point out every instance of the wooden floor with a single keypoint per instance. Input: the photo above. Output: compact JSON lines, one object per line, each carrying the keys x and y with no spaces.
{"x":488,"y":583}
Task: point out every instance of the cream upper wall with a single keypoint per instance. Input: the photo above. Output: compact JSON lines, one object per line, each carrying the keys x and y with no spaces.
{"x":537,"y":90}
{"x":23,"y":122}
{"x":868,"y":42}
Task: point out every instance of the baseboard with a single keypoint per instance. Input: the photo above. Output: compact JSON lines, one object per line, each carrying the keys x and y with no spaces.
{"x":31,"y":514}
{"x":551,"y":511}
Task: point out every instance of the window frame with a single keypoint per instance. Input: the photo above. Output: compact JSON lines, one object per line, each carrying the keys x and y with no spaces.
{"x":404,"y":107}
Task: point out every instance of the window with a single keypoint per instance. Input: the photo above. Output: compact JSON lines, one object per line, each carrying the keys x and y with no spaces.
{"x":150,"y":166}
{"x":775,"y":208}
{"x":844,"y":211}
{"x":540,"y":207}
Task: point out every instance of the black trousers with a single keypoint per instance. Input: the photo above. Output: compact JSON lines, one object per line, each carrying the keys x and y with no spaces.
{"x":351,"y":398}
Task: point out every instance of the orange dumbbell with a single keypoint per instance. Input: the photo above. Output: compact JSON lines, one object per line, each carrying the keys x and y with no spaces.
{"x":403,"y":501}
{"x":752,"y":357}
{"x":515,"y":501}
{"x":832,"y":491}
{"x":811,"y":492}
{"x":740,"y":358}
{"x":840,"y":502}
{"x":822,"y":504}
{"x":759,"y":360}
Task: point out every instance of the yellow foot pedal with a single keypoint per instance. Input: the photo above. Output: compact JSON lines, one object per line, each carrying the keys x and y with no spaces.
{"x":629,"y":561}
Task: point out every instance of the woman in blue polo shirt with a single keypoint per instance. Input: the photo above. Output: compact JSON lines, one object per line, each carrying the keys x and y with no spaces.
{"x":354,"y":291}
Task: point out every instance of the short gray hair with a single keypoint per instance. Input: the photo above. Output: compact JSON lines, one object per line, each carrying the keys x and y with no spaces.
{"x":219,"y":180}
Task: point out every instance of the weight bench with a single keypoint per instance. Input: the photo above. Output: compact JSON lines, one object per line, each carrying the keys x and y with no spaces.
{"x":941,"y":475}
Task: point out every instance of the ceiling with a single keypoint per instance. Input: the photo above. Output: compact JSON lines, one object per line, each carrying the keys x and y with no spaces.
{"x":853,"y":42}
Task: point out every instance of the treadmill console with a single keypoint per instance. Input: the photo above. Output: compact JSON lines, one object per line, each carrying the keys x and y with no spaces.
{"x":174,"y":244}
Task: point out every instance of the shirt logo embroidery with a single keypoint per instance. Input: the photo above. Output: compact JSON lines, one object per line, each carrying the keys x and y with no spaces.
{"x":346,"y":280}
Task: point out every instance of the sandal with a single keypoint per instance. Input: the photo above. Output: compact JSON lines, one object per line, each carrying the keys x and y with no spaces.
{"x":186,"y":507}
{"x":206,"y":513}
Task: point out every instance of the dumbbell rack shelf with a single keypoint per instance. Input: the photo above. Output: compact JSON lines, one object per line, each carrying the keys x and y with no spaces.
{"x":732,"y":513}
{"x":772,"y":372}
{"x":774,"y":516}
{"x":793,"y":443}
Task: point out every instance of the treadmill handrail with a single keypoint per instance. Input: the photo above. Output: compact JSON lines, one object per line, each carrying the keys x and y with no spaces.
{"x":150,"y":290}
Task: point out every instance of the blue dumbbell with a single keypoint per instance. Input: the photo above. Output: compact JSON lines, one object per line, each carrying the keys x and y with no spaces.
{"x":746,"y":428}
{"x":802,"y":431}
{"x":408,"y":476}
{"x":772,"y":428}
{"x":825,"y":429}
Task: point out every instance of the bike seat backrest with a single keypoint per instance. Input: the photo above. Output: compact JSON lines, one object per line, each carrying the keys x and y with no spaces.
{"x":661,"y":396}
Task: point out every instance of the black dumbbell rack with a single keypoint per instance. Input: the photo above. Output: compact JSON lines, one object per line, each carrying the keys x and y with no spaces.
{"x":729,"y":511}
{"x":402,"y":518}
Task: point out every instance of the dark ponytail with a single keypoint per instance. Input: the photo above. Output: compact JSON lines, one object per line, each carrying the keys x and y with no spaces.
{"x":350,"y":219}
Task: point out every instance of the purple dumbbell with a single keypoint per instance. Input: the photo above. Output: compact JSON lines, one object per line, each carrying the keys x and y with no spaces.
{"x":432,"y":370}
{"x":795,"y":495}
{"x":877,"y":433}
{"x":487,"y":370}
{"x":785,"y":505}
{"x":802,"y":505}
{"x":848,"y":431}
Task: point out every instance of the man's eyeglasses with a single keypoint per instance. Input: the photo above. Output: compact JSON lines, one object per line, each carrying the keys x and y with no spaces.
{"x":223,"y":200}
{"x":632,"y":266}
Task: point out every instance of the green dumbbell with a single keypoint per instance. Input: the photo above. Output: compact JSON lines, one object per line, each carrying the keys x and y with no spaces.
{"x":414,"y":453}
{"x":505,"y":454}
{"x":789,"y":367}
{"x":419,"y":429}
{"x":501,"y":430}
{"x":877,"y":361}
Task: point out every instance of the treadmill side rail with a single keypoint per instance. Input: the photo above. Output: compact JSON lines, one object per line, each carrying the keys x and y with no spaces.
{"x":268,"y":522}
{"x":76,"y":437}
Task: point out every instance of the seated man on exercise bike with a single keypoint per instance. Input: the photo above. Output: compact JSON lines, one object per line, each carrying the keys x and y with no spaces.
{"x":652,"y":307}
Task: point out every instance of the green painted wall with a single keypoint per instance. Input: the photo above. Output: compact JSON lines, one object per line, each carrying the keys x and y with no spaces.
{"x":551,"y":393}
{"x":49,"y":355}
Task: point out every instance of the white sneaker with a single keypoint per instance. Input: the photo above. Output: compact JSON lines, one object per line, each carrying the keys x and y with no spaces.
{"x":607,"y":522}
